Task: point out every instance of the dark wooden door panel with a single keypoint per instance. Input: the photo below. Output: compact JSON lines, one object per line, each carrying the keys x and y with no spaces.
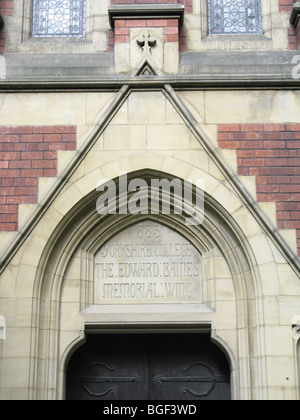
{"x":148,"y":367}
{"x":188,"y":367}
{"x":109,"y":367}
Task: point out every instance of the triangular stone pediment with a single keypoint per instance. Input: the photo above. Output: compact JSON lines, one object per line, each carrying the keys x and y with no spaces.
{"x":154,"y":123}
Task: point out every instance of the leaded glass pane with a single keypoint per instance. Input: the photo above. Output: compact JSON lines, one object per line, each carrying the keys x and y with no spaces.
{"x":234,"y":16}
{"x":58,"y":18}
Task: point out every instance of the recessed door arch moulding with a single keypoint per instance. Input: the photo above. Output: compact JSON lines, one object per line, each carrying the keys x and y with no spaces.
{"x":82,"y":232}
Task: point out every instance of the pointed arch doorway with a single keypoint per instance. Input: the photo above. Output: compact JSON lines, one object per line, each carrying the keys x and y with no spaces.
{"x":76,"y":293}
{"x":148,"y":367}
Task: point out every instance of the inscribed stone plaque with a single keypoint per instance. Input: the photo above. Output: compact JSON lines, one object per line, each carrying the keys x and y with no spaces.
{"x":147,"y":263}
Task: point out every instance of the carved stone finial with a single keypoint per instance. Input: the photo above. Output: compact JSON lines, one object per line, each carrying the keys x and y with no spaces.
{"x":146,"y":41}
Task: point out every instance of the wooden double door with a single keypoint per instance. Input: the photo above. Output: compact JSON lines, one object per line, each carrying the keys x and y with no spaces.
{"x":148,"y":367}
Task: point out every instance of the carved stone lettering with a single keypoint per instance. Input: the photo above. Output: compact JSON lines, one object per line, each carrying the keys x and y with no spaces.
{"x":148,"y":263}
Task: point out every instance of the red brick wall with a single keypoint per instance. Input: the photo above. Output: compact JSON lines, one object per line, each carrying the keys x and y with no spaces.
{"x":294,"y":37}
{"x":286,"y":5}
{"x":6,"y":9}
{"x":170,"y":26}
{"x":271,"y":152}
{"x":27,"y":154}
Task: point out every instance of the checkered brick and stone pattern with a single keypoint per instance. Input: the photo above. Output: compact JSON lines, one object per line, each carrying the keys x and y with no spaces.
{"x":27,"y":154}
{"x":271,"y":153}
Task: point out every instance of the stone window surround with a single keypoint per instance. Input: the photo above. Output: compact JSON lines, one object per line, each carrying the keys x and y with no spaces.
{"x":241,"y":25}
{"x":71,"y":21}
{"x":94,"y":40}
{"x":27,"y":19}
{"x":236,"y":41}
{"x":196,"y":25}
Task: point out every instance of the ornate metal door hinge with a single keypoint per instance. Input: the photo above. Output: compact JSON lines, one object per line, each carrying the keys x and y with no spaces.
{"x":212,"y":378}
{"x":86,"y":379}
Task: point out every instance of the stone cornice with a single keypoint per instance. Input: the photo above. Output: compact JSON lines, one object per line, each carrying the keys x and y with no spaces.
{"x":154,"y":82}
{"x":146,"y":11}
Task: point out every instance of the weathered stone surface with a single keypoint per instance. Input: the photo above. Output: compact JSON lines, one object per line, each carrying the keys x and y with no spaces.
{"x":148,"y":263}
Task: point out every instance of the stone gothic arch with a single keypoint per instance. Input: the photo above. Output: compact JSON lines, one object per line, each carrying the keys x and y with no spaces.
{"x":81,"y":233}
{"x":296,"y":349}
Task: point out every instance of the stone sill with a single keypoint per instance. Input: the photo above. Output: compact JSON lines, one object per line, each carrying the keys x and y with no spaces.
{"x":146,"y":11}
{"x":295,"y":15}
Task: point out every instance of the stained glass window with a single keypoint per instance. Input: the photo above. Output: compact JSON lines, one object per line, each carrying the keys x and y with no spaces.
{"x":58,"y":18}
{"x":234,"y":16}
